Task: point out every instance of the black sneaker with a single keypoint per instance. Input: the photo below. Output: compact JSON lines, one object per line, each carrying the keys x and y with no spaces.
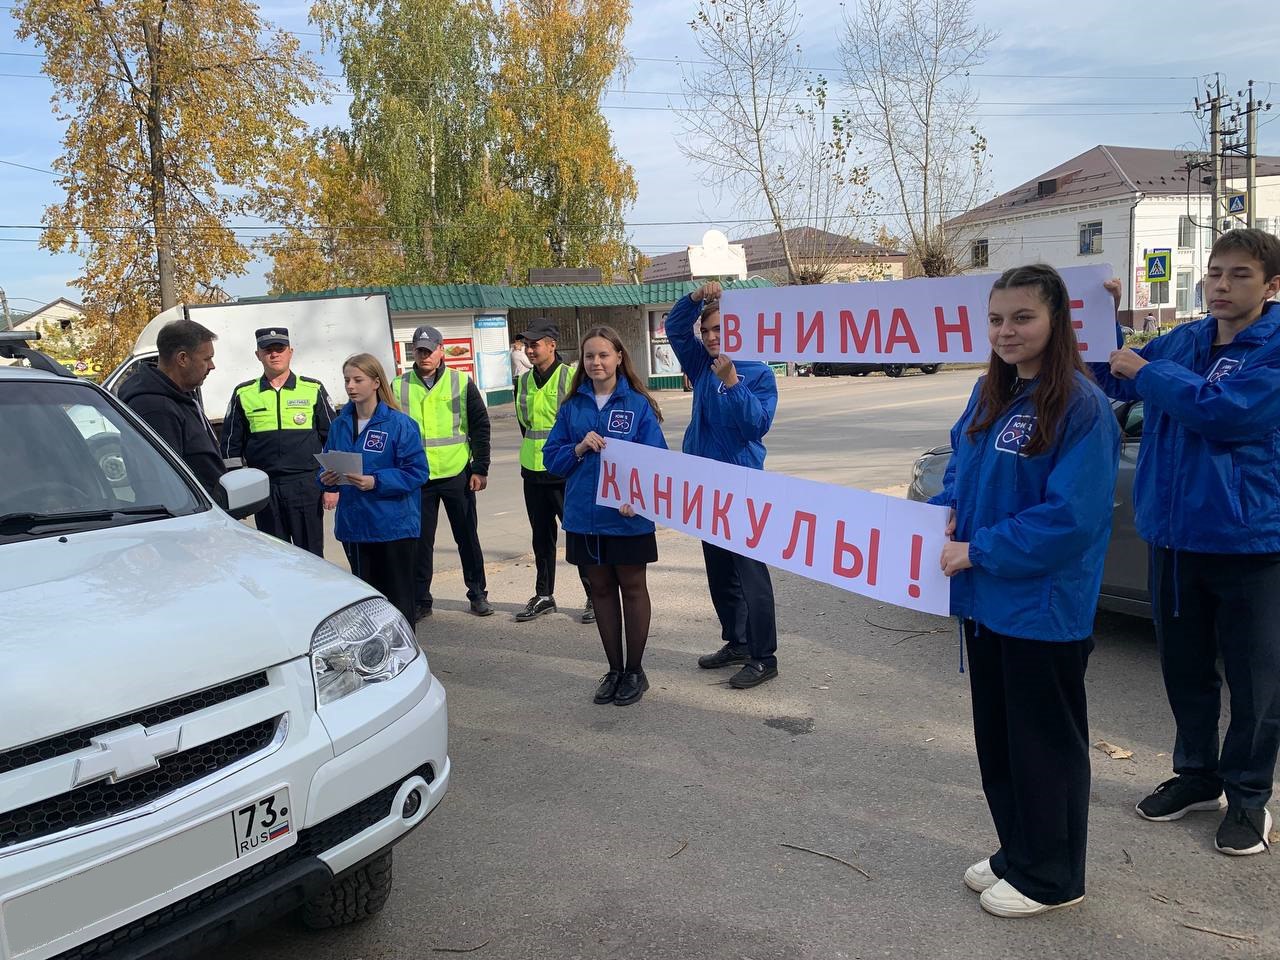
{"x":727,"y":656}
{"x":752,"y":674}
{"x":589,"y":612}
{"x":608,"y":687}
{"x":631,"y":687}
{"x":1244,"y":830}
{"x":421,"y":612}
{"x":536,"y":607}
{"x":1175,"y":798}
{"x":482,"y":607}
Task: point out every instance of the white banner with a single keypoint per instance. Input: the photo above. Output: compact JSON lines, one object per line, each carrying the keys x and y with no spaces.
{"x":896,"y":321}
{"x":866,"y":543}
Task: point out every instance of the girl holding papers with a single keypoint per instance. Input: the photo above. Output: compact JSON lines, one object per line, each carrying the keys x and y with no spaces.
{"x":379,"y":507}
{"x":1030,"y":485}
{"x":607,"y":401}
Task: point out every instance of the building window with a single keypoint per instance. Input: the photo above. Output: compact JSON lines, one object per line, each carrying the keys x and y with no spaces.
{"x":1186,"y":232}
{"x":1090,"y":238}
{"x":1184,"y":292}
{"x":1159,"y":292}
{"x":1046,"y":188}
{"x":1262,"y":223}
{"x":980,"y":256}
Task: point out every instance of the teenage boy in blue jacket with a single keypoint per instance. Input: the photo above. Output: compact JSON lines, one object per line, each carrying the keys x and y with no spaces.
{"x":1207,"y":500}
{"x":733,"y":408}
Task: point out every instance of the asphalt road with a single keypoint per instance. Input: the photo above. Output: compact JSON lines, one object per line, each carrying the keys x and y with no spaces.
{"x":657,"y":830}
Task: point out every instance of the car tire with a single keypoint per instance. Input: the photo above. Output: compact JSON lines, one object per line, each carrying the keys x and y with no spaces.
{"x":930,"y":368}
{"x":893,"y":369}
{"x":355,"y":895}
{"x":821,"y":370}
{"x":106,"y":450}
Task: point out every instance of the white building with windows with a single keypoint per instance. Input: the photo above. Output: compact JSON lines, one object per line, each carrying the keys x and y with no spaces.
{"x":1116,"y":205}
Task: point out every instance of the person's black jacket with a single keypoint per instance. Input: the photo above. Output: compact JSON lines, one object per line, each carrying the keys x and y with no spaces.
{"x":178,"y":419}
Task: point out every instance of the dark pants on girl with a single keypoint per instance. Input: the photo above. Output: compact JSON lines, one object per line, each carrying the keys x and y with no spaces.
{"x":1207,"y":604}
{"x":387,"y":567}
{"x":1031,"y":728}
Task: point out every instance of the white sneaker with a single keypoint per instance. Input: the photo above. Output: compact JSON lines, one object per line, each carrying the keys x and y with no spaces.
{"x":979,"y":877}
{"x":1003,"y":900}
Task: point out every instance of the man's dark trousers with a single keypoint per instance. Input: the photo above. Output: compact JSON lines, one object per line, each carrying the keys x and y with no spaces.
{"x":544,"y":503}
{"x":460,"y":507}
{"x":742,"y":593}
{"x":1207,"y":604}
{"x":295,"y":513}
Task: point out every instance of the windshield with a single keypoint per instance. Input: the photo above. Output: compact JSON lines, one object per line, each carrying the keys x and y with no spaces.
{"x":72,"y":461}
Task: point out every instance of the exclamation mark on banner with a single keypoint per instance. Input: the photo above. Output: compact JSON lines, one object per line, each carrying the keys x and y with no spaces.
{"x":917,"y":544}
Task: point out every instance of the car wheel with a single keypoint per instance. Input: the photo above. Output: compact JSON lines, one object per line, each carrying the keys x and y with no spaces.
{"x":355,"y":895}
{"x":821,"y":370}
{"x":893,"y":369}
{"x":930,"y":368}
{"x":107,"y":452}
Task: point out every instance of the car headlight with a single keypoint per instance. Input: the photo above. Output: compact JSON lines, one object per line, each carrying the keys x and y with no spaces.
{"x":368,"y":642}
{"x":917,"y":468}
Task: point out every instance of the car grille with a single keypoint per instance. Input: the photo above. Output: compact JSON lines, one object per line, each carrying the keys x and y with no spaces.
{"x":103,"y":799}
{"x":65,"y":743}
{"x":311,"y":842}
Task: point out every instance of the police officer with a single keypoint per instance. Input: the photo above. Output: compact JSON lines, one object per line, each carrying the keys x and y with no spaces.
{"x":539,"y":393}
{"x":278,"y":423}
{"x":450,"y":413}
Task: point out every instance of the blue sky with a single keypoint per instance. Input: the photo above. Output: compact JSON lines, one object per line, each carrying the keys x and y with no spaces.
{"x":1059,"y":81}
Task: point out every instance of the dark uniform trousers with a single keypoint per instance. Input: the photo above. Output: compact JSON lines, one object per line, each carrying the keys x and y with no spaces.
{"x":295,"y":513}
{"x":460,"y":507}
{"x":742,"y":593}
{"x":544,"y":502}
{"x":1208,"y":604}
{"x":1031,"y":728}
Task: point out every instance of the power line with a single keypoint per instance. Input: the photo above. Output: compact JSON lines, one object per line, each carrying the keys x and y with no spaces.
{"x":10,"y":163}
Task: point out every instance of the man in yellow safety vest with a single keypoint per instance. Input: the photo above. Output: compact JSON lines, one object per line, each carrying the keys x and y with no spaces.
{"x":539,"y":393}
{"x":449,"y":410}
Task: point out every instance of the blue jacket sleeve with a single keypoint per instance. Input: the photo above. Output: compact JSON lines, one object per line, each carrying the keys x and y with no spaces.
{"x":1243,"y":406}
{"x":750,"y":405}
{"x":557,"y":453}
{"x":650,"y":431}
{"x":1113,"y":386}
{"x":1077,"y":506}
{"x":946,"y":497}
{"x":693,"y":356}
{"x":410,"y":471}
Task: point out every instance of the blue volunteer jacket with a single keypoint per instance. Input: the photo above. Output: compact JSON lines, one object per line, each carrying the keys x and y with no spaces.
{"x":625,"y":416}
{"x":1037,"y":527}
{"x":1208,"y":480}
{"x":727,"y":425}
{"x":391,"y":447}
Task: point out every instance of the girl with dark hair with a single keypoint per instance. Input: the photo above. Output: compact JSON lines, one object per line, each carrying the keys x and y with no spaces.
{"x":1030,"y":486}
{"x":607,"y":400}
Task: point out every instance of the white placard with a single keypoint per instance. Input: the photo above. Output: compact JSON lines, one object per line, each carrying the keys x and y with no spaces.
{"x":341,"y":462}
{"x":896,"y":321}
{"x":866,"y":543}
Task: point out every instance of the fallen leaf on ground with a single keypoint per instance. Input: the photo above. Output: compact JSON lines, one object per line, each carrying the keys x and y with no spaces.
{"x":1114,"y":752}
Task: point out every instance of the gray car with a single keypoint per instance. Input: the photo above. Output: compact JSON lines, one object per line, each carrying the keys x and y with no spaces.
{"x":1124,"y":575}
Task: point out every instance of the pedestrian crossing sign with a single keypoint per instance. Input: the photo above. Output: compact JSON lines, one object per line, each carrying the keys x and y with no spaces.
{"x":1158,"y":266}
{"x":1236,"y":205}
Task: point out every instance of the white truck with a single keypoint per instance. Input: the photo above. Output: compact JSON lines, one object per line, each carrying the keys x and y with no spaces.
{"x":323,"y":332}
{"x":201,"y":727}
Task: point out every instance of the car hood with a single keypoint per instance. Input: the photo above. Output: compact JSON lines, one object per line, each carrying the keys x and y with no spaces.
{"x":101,"y":623}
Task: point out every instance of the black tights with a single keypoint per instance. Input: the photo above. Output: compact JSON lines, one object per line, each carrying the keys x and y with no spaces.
{"x":621,"y":593}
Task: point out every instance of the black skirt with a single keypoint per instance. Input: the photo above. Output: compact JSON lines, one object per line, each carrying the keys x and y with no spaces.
{"x":591,"y":550}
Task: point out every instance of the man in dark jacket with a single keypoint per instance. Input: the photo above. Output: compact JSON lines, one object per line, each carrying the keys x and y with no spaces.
{"x":164,"y":396}
{"x":733,"y":408}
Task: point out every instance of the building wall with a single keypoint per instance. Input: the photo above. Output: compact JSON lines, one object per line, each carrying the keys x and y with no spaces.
{"x":630,"y":322}
{"x":847,"y":272}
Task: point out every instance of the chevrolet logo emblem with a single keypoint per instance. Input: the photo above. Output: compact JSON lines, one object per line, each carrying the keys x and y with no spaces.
{"x":126,"y":753}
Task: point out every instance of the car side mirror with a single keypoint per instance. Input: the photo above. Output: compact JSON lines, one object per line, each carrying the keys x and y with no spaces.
{"x":246,"y":491}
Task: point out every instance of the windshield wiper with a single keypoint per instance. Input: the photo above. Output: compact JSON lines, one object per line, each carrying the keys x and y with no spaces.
{"x":29,"y":522}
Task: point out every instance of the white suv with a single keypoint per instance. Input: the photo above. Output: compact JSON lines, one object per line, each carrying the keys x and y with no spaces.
{"x":201,"y":727}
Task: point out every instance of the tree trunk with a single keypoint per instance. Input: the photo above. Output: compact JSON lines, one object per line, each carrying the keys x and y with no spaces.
{"x":155,"y":141}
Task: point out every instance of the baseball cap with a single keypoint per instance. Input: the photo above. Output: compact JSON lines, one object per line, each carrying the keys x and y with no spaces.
{"x":269,"y":335}
{"x":541,"y":329}
{"x":427,"y":338}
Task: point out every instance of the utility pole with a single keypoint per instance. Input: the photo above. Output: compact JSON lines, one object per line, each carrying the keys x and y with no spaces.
{"x":1251,"y":111}
{"x":1213,"y":101}
{"x":4,"y":305}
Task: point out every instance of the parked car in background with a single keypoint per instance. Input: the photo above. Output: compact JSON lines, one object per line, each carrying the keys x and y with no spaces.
{"x":827,"y":368}
{"x":1124,"y":575}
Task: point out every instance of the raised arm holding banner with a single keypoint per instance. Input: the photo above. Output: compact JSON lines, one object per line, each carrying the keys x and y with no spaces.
{"x":936,"y":320}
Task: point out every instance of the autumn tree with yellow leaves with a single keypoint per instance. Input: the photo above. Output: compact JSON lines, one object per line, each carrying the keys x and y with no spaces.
{"x":178,"y":113}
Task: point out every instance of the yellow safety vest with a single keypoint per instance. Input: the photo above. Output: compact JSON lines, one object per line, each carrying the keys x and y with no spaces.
{"x":289,"y":408}
{"x":441,"y":415}
{"x":536,"y":409}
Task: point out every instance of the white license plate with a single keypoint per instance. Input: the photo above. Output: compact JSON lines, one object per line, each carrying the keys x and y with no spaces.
{"x":262,"y":823}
